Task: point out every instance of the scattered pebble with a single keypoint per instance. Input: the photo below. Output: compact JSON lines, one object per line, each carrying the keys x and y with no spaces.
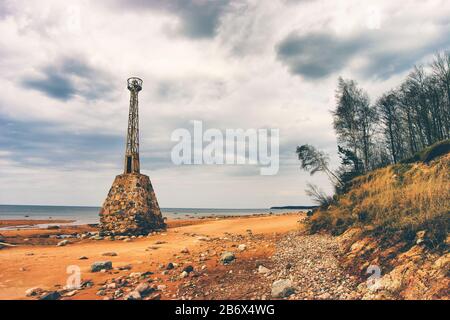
{"x":109,"y":254}
{"x":63,"y":243}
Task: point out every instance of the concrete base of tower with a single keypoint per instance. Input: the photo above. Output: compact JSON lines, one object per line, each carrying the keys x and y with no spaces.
{"x":131,"y":207}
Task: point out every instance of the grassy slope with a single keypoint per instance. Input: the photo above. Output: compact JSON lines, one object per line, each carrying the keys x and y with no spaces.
{"x":401,"y":199}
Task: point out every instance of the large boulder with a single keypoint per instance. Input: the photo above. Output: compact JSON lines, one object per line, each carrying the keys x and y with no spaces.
{"x":282,"y":288}
{"x":101,"y":265}
{"x":227,"y":257}
{"x":133,"y":295}
{"x":144,"y":289}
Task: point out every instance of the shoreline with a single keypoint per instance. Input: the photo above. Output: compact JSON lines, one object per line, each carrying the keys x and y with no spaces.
{"x":42,"y":224}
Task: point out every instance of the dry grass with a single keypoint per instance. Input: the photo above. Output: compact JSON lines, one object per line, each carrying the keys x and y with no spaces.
{"x":403,"y":197}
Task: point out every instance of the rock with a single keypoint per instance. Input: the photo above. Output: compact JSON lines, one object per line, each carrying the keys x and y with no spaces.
{"x":144,"y":289}
{"x":263,"y":270}
{"x":83,"y":258}
{"x":111,"y":286}
{"x":442,"y":263}
{"x":160,"y":242}
{"x":52,"y":227}
{"x":325,"y":296}
{"x":227,"y":258}
{"x":135,"y":275}
{"x":109,"y":254}
{"x":125,"y":267}
{"x":101,"y":265}
{"x":242,"y":247}
{"x":203,"y":238}
{"x":170,"y":266}
{"x":101,"y":293}
{"x":185,"y":250}
{"x":133,"y":295}
{"x":63,"y":243}
{"x":33,"y":292}
{"x":282,"y":288}
{"x":161,"y":287}
{"x":118,"y":293}
{"x":188,"y":269}
{"x":87,"y":284}
{"x":184,"y":274}
{"x":420,"y":237}
{"x":156,"y":296}
{"x":71,"y":293}
{"x":52,"y":295}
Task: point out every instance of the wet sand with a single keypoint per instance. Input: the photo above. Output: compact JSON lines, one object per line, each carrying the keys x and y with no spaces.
{"x":25,"y":222}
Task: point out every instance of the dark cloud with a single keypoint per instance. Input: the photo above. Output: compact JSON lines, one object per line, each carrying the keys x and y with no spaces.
{"x":386,"y":63}
{"x":53,"y":84}
{"x":45,"y":144}
{"x":68,"y":78}
{"x":199,"y":18}
{"x":318,"y":55}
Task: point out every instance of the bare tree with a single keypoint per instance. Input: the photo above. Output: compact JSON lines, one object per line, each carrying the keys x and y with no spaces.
{"x":318,"y":196}
{"x":313,"y":161}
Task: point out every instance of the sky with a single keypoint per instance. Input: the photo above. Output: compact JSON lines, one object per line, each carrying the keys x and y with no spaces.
{"x":229,"y":63}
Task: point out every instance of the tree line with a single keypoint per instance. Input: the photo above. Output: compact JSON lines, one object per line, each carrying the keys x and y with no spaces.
{"x":393,"y":128}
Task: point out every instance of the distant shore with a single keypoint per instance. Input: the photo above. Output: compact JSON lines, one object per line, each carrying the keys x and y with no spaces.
{"x":294,"y":208}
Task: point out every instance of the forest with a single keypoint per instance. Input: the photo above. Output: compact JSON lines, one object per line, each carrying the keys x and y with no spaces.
{"x":392,"y":129}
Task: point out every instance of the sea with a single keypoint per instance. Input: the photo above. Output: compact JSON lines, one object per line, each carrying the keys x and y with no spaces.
{"x":89,"y":215}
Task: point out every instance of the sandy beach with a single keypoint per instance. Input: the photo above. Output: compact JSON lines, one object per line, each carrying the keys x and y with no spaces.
{"x":36,"y":261}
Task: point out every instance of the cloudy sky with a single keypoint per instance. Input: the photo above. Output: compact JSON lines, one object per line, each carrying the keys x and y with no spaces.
{"x":231,"y":64}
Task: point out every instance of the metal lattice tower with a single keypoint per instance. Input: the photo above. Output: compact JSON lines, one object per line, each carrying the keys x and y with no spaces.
{"x":132,"y":164}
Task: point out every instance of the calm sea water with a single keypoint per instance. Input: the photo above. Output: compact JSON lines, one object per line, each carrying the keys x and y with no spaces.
{"x":85,"y":215}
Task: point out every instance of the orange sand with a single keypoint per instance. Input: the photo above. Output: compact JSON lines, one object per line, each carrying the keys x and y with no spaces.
{"x":46,"y":268}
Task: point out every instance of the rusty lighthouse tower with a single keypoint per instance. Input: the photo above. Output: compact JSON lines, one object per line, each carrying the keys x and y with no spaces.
{"x":132,"y":164}
{"x":131,"y":207}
